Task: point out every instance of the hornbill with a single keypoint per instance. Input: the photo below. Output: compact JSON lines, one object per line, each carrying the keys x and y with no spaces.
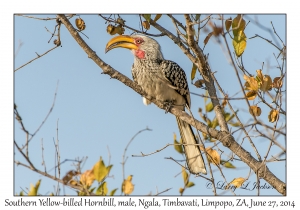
{"x":165,"y":81}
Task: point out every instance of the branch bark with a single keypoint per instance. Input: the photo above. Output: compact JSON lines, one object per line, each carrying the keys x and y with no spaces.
{"x":223,"y":136}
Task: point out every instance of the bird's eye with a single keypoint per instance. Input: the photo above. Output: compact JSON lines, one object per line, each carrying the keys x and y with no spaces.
{"x":138,"y":41}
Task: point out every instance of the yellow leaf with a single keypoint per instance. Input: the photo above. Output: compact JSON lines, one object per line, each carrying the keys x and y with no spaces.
{"x":277,"y":82}
{"x":239,"y":43}
{"x":34,"y":188}
{"x":213,"y":156}
{"x":177,"y":147}
{"x":185,"y":175}
{"x":146,"y":24}
{"x":73,"y":182}
{"x":237,"y":182}
{"x":193,"y":72}
{"x":127,"y":186}
{"x":251,"y":95}
{"x":190,"y":184}
{"x":100,"y":170}
{"x":102,"y":189}
{"x":205,"y":98}
{"x":87,"y":178}
{"x":255,"y":110}
{"x":264,"y":81}
{"x":273,"y":115}
{"x":205,"y":136}
{"x":260,"y":76}
{"x":251,"y":83}
{"x":228,"y":23}
{"x":209,"y":107}
{"x":157,"y":17}
{"x":80,"y":24}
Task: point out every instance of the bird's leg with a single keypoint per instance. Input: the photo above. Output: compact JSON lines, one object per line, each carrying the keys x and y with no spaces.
{"x":168,"y":105}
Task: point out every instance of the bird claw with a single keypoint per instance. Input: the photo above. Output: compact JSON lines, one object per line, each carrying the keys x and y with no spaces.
{"x":168,"y":105}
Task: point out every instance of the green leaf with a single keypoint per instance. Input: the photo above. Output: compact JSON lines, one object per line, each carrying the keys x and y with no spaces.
{"x":234,"y":124}
{"x":209,"y":107}
{"x":238,"y":25}
{"x":177,"y":147}
{"x":157,"y":17}
{"x":108,"y":168}
{"x":100,"y":170}
{"x":147,"y":17}
{"x":185,"y":176}
{"x":214,"y":123}
{"x":197,"y":17}
{"x":193,"y":72}
{"x":190,"y":184}
{"x":34,"y":189}
{"x":102,"y":189}
{"x":228,"y":165}
{"x":113,"y":192}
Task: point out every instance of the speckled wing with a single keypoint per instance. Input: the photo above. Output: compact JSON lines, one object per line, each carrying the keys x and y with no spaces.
{"x":177,"y":78}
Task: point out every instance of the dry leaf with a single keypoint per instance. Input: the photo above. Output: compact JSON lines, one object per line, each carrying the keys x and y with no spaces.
{"x":255,"y":110}
{"x":80,"y":24}
{"x":87,"y":178}
{"x":70,"y":174}
{"x":146,"y":24}
{"x":199,"y":83}
{"x":228,"y":23}
{"x":273,"y":115}
{"x":277,"y":82}
{"x":213,"y":156}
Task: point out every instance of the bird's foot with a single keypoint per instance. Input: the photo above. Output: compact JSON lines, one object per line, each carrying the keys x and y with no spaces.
{"x":168,"y":105}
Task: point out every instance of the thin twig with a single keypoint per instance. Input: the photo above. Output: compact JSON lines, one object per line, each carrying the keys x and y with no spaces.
{"x":39,"y":56}
{"x":51,"y":108}
{"x":123,"y":158}
{"x":26,"y":16}
{"x":142,"y":32}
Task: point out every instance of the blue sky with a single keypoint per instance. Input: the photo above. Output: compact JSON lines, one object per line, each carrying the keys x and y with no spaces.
{"x":95,"y":112}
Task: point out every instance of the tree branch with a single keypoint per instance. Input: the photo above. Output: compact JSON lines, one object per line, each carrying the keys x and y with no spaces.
{"x":223,"y":136}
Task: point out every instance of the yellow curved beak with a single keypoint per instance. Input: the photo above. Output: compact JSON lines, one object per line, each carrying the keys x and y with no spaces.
{"x":121,"y":41}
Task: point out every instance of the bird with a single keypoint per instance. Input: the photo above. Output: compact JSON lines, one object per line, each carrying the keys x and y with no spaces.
{"x":165,"y":81}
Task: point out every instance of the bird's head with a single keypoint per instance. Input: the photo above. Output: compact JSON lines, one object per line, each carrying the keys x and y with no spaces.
{"x":142,"y":47}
